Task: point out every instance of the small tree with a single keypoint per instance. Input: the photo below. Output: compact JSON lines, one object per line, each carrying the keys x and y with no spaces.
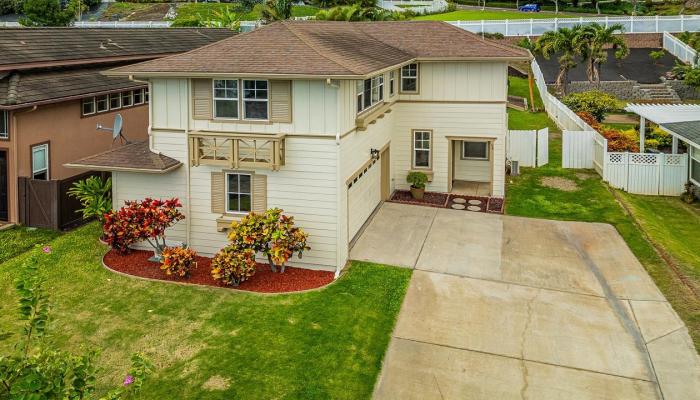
{"x":233,"y":265}
{"x":657,"y":55}
{"x":595,"y":102}
{"x":45,"y":13}
{"x":38,"y":371}
{"x":95,"y":195}
{"x":272,"y":233}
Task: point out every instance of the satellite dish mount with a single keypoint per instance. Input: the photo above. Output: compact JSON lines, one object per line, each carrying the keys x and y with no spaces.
{"x":116,"y":130}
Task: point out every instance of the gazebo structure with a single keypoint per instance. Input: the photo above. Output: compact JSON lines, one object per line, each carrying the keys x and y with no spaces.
{"x":681,"y":121}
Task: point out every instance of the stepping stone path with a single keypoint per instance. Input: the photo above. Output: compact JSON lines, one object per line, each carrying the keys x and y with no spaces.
{"x":475,"y":202}
{"x":459,"y":200}
{"x":472,"y":208}
{"x":458,"y":206}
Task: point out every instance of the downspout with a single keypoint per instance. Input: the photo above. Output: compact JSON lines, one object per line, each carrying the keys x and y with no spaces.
{"x":338,"y":223}
{"x":188,"y":165}
{"x":15,"y":156}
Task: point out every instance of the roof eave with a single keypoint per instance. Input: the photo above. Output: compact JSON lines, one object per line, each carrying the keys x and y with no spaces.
{"x":67,"y":98}
{"x":122,"y":169}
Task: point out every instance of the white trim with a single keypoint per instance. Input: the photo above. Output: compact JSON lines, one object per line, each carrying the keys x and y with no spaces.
{"x":5,"y":125}
{"x":106,"y":109}
{"x":266,"y":100}
{"x":86,"y":100}
{"x":239,"y":193}
{"x":130,"y":95}
{"x":429,"y":150}
{"x":485,"y":158}
{"x":402,"y":77}
{"x":237,"y":98}
{"x":119,"y":95}
{"x":45,"y":147}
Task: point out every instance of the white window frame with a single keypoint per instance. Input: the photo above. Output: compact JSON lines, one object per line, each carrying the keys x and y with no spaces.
{"x":463,"y":150}
{"x":236,"y":99}
{"x":97,"y":102}
{"x":415,"y":149}
{"x":88,"y":100}
{"x":5,"y":124}
{"x":146,"y":95}
{"x":255,"y":100}
{"x":694,"y":158}
{"x":117,"y":95}
{"x":128,"y":95}
{"x":140,"y":93}
{"x":239,"y":193}
{"x":376,"y":85}
{"x":405,"y":69}
{"x":392,"y":83}
{"x":44,"y":146}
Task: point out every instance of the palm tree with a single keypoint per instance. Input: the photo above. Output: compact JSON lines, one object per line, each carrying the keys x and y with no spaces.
{"x":276,"y":10}
{"x":594,"y":40}
{"x":564,"y":42}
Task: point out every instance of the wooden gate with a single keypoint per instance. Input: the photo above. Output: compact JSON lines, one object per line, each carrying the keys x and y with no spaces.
{"x":46,"y":204}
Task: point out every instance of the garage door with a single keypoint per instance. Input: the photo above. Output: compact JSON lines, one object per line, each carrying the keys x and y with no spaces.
{"x":364,"y":195}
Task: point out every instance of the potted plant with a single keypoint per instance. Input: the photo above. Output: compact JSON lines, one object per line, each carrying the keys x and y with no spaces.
{"x":689,"y":195}
{"x":417,"y":180}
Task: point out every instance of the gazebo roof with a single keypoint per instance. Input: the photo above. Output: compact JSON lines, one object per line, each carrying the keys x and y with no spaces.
{"x":680,"y":120}
{"x":688,"y":131}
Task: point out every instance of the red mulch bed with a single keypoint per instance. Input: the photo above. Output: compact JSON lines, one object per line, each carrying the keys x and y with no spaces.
{"x":496,"y":205}
{"x":264,"y":281}
{"x":431,"y":199}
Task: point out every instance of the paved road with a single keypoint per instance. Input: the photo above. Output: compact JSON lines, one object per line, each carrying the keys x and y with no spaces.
{"x":514,"y":308}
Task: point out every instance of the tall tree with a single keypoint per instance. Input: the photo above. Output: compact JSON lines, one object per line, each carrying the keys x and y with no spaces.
{"x":594,"y":40}
{"x":45,"y":13}
{"x":565,"y":43}
{"x":277,"y":10}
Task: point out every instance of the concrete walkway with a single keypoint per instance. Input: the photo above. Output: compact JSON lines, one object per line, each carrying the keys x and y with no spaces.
{"x":504,"y":307}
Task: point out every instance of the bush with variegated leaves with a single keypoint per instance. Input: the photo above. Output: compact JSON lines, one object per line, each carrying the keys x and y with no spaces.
{"x":233,"y":265}
{"x":178,"y":261}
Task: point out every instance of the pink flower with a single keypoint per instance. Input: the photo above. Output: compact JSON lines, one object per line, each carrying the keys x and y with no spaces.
{"x":46,"y":249}
{"x":128,"y":380}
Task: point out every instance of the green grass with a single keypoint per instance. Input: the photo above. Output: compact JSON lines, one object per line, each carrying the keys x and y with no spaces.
{"x":212,"y":343}
{"x":525,"y":120}
{"x":473,"y":15}
{"x":17,"y":240}
{"x":190,"y":10}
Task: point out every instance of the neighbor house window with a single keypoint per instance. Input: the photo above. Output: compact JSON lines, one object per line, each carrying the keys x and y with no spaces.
{"x":475,"y":150}
{"x":392,"y":83}
{"x":4,"y":124}
{"x":225,"y":98}
{"x":145,"y":95}
{"x":138,"y":96}
{"x":89,"y":106}
{"x":115,"y":101}
{"x":370,"y":92}
{"x":695,"y":165}
{"x":238,"y":193}
{"x":255,"y":98}
{"x":421,"y":149}
{"x":102,"y":103}
{"x":127,"y":99}
{"x":409,"y":78}
{"x":40,"y":161}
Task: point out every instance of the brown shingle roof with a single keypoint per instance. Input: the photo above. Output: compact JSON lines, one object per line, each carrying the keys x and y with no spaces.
{"x":26,"y":47}
{"x":136,"y":157}
{"x":324,"y":48}
{"x":24,"y":88}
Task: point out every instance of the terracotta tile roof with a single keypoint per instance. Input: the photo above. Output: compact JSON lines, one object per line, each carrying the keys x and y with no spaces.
{"x":135,"y":157}
{"x":25,"y":88}
{"x":325,"y":48}
{"x":57,"y":46}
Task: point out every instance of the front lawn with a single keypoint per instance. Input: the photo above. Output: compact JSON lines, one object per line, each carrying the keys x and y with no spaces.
{"x":17,"y":240}
{"x":474,"y":15}
{"x":212,"y":343}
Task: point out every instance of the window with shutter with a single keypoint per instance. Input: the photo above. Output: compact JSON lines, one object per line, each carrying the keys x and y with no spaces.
{"x":281,"y":101}
{"x":238,"y":192}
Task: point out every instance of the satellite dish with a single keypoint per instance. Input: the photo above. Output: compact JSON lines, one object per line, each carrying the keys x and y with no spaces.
{"x":116,"y":129}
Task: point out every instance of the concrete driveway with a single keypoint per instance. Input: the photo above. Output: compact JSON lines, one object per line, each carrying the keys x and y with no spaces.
{"x":504,"y":307}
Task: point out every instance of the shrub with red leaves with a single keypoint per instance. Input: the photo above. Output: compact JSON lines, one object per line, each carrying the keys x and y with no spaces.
{"x":617,"y":140}
{"x":141,"y":220}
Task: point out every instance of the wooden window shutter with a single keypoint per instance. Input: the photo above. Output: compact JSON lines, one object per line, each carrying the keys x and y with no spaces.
{"x":201,"y":99}
{"x":281,"y":101}
{"x":259,"y":193}
{"x":218,"y":192}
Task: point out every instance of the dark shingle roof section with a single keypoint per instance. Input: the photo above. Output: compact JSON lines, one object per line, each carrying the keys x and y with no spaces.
{"x":135,"y":157}
{"x":688,"y":130}
{"x":24,"y":88}
{"x":330,"y":49}
{"x":57,"y":46}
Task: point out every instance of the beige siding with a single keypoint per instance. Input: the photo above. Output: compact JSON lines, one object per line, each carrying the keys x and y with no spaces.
{"x":463,"y":81}
{"x":470,"y":170}
{"x":169,"y":103}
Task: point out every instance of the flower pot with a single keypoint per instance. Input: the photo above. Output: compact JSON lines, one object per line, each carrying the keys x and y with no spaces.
{"x":417,"y":193}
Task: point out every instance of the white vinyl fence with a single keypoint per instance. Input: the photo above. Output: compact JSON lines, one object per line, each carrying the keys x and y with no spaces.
{"x":639,"y":173}
{"x":528,"y":148}
{"x":679,"y":49}
{"x":631,"y":24}
{"x":561,"y":114}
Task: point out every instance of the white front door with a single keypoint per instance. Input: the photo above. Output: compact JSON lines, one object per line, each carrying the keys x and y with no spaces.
{"x":364,"y":196}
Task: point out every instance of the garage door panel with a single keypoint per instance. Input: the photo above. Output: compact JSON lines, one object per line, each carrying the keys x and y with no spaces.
{"x":363,"y":197}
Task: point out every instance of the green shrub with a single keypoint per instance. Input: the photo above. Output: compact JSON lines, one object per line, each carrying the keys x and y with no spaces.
{"x":417,"y":179}
{"x":594,"y":102}
{"x":232,"y":265}
{"x":692,"y":77}
{"x":11,"y":6}
{"x":95,"y":195}
{"x":178,"y":261}
{"x":656,"y":55}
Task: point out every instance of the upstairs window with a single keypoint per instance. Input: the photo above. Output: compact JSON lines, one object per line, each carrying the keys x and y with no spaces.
{"x":88,"y":106}
{"x":370,"y":92}
{"x":409,"y":78}
{"x":40,"y":161}
{"x":127,"y":99}
{"x":255,"y":99}
{"x":226,"y":98}
{"x":4,"y":124}
{"x":392,"y":83}
{"x":138,"y":96}
{"x":115,"y":101}
{"x":102,"y":103}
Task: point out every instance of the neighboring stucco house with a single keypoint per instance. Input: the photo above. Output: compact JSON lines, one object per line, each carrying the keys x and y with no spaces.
{"x":321,"y":119}
{"x":52,"y":96}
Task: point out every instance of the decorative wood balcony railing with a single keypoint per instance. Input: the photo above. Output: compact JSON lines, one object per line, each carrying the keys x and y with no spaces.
{"x":237,"y":151}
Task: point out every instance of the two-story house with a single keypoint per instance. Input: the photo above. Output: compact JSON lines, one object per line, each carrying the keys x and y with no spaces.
{"x":321,"y":119}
